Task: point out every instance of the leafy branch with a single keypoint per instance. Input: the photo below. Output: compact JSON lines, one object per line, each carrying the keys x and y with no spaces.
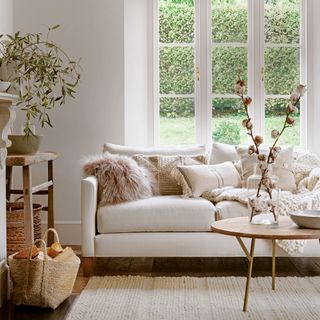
{"x":40,"y":72}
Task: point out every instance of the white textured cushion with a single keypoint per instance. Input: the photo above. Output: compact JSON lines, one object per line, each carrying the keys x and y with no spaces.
{"x":221,"y":152}
{"x":282,"y":167}
{"x":230,"y":209}
{"x":164,"y":213}
{"x":202,"y":178}
{"x":130,"y":151}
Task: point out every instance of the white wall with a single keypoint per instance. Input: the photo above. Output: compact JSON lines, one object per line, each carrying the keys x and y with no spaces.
{"x":137,"y":42}
{"x":6,"y":21}
{"x":94,"y":31}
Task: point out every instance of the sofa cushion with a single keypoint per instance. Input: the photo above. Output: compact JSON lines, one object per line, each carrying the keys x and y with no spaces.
{"x":230,"y":209}
{"x":130,"y":151}
{"x":120,"y":178}
{"x":282,"y":167}
{"x":197,"y":179}
{"x":161,"y":167}
{"x":221,"y":152}
{"x":163,"y":213}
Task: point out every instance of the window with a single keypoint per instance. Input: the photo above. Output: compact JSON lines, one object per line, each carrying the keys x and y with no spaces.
{"x":200,"y":49}
{"x":176,"y":71}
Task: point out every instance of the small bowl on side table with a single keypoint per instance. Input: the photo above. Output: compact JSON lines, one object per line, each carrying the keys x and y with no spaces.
{"x":306,"y":218}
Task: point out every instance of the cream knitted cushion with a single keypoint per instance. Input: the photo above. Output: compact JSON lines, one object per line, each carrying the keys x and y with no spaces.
{"x":161,"y":167}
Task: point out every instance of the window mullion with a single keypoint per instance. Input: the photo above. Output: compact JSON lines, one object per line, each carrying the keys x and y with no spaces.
{"x":261,"y":70}
{"x":303,"y":73}
{"x":198,"y":72}
{"x":206,"y":71}
{"x":155,"y":113}
{"x":256,"y":63}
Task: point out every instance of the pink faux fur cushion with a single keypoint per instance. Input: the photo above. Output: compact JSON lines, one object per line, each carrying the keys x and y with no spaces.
{"x":120,"y":179}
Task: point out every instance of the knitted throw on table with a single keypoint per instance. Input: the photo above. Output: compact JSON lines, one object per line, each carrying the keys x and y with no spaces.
{"x":307,"y":196}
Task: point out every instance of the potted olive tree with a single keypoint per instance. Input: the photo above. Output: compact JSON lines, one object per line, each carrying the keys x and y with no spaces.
{"x":42,"y":75}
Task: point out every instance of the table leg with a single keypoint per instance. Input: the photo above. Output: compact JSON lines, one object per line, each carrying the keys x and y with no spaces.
{"x":50,"y":202}
{"x":250,"y":263}
{"x":249,"y":256}
{"x":28,"y":207}
{"x":273,"y":264}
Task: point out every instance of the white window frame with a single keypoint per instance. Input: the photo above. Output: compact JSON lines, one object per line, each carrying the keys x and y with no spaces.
{"x":203,"y":95}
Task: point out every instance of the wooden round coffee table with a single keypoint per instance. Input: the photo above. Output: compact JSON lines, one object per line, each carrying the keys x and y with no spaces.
{"x":241,"y":228}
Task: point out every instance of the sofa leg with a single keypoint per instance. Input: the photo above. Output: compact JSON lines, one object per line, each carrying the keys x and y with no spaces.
{"x":87,"y":263}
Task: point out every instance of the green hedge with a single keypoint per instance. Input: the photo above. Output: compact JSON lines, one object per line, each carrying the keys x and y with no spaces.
{"x":229,"y":25}
{"x":227,"y":132}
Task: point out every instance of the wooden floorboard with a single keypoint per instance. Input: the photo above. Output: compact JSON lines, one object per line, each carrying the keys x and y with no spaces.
{"x":169,"y":267}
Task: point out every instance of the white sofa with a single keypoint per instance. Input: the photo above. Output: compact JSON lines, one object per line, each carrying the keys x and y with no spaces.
{"x":162,"y":226}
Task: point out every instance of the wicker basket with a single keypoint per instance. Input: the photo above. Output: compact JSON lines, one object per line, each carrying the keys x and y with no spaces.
{"x":44,"y":282}
{"x":15,"y":225}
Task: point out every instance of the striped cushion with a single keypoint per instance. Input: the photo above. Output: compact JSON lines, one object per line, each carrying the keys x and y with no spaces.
{"x":197,"y":179}
{"x":161,"y":166}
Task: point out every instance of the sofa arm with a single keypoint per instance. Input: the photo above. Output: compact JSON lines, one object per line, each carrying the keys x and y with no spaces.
{"x":89,"y":197}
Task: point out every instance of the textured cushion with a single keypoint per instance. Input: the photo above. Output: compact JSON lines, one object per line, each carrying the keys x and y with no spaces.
{"x":164,"y":213}
{"x":282,"y":167}
{"x":221,"y":152}
{"x":120,"y":178}
{"x":161,"y":167}
{"x":230,"y":209}
{"x":201,"y":178}
{"x":130,"y":151}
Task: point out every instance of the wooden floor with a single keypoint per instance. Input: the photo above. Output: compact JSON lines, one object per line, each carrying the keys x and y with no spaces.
{"x":197,"y":267}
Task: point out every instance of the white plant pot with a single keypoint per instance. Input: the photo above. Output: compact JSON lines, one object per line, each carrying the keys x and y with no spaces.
{"x":4,"y":86}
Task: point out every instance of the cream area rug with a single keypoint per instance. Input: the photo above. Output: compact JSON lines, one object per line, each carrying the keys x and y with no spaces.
{"x":188,"y":298}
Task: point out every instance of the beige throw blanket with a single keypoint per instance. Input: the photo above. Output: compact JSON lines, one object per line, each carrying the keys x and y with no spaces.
{"x":307,"y":196}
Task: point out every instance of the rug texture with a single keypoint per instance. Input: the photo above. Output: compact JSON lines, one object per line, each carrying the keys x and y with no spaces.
{"x":186,"y":298}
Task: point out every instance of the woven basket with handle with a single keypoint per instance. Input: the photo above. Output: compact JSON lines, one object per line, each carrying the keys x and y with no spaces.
{"x":44,"y":282}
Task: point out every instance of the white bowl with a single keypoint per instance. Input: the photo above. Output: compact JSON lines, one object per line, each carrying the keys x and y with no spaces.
{"x":306,"y":218}
{"x":4,"y":85}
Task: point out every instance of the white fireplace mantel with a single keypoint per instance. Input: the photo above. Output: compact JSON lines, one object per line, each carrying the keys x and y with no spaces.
{"x":7,"y":117}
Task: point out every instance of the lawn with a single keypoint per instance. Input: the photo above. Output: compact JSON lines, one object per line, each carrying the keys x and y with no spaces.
{"x":181,"y":130}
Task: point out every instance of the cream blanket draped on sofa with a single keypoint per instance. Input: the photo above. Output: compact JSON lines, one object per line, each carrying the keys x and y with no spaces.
{"x":306,"y":196}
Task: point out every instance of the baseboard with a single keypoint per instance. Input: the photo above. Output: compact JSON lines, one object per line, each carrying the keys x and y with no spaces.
{"x":69,"y":231}
{"x":4,"y":283}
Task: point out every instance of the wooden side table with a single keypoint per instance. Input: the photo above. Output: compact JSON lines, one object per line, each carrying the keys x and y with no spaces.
{"x":45,"y":188}
{"x":241,"y":228}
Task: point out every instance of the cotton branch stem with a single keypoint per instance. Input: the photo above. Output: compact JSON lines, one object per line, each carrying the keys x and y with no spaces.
{"x":264,"y":172}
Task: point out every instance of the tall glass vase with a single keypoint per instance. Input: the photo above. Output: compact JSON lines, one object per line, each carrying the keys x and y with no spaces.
{"x":263,"y":197}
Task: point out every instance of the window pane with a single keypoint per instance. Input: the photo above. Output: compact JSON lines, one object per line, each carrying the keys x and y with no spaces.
{"x":282,"y":21}
{"x":282,"y":70}
{"x":227,"y":121}
{"x":282,"y":65}
{"x":229,"y":62}
{"x":177,"y":70}
{"x":227,"y":65}
{"x":177,"y":122}
{"x":229,"y":21}
{"x":176,"y":21}
{"x":275,"y":117}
